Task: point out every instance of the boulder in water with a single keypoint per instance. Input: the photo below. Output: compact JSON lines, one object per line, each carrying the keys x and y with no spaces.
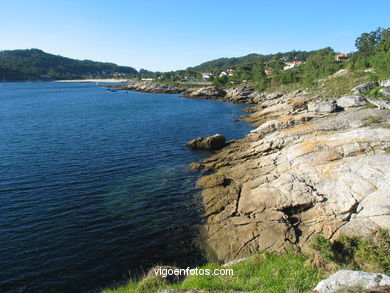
{"x":214,"y":142}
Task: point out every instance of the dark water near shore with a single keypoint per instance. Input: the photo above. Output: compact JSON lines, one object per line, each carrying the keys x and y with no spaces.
{"x":94,"y":185}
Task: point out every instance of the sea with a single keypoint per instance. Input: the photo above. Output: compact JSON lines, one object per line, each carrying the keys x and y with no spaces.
{"x":95,"y":184}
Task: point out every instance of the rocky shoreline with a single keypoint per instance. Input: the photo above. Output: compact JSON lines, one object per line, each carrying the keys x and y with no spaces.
{"x":242,"y":94}
{"x":303,"y":171}
{"x":310,"y":167}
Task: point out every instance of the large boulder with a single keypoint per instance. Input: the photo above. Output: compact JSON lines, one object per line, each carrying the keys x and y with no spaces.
{"x":240,"y":94}
{"x":361,"y":88}
{"x":385,"y":91}
{"x":214,"y":142}
{"x":322,"y":106}
{"x":347,"y":279}
{"x":351,"y":101}
{"x":381,"y":104}
{"x":204,"y":92}
{"x":385,"y":82}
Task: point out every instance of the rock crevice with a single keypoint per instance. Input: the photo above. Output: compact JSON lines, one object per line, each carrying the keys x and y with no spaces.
{"x":298,"y":174}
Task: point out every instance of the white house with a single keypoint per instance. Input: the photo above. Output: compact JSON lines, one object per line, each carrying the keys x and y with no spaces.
{"x":229,"y":72}
{"x":341,"y":57}
{"x":206,"y":75}
{"x":290,"y":65}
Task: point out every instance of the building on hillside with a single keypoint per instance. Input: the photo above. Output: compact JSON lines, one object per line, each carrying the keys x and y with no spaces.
{"x":147,"y":79}
{"x":341,"y":57}
{"x":206,"y":75}
{"x":290,"y":65}
{"x":229,"y":72}
{"x":268,"y":71}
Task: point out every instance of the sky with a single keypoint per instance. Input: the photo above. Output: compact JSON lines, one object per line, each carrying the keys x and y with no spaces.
{"x":171,"y":34}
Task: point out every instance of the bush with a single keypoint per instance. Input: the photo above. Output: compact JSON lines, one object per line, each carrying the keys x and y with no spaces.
{"x":357,"y":252}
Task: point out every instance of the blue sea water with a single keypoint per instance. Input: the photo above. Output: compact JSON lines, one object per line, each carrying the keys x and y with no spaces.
{"x":95,"y":185}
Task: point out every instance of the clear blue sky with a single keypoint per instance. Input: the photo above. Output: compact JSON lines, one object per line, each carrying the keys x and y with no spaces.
{"x":171,"y":34}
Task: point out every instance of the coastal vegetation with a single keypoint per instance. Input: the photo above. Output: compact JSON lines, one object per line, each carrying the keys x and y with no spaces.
{"x":324,"y":91}
{"x":261,"y":71}
{"x":266,"y":72}
{"x":290,"y":271}
{"x":34,"y":64}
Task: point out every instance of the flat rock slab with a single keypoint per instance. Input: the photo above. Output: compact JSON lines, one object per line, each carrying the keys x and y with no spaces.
{"x":351,"y":101}
{"x":385,"y":91}
{"x":345,"y":279}
{"x":361,"y":88}
{"x":385,"y":82}
{"x":322,"y":106}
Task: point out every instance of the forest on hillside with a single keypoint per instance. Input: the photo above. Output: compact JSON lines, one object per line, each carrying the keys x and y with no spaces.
{"x":264,"y":71}
{"x":35,"y":64}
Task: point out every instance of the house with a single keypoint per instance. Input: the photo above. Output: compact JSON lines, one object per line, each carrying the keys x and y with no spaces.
{"x":268,"y":71}
{"x":229,"y":72}
{"x":341,"y":57}
{"x":147,"y":79}
{"x":206,"y":75}
{"x":290,"y":65}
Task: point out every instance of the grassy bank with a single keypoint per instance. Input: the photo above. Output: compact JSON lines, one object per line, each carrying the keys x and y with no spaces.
{"x":291,"y":271}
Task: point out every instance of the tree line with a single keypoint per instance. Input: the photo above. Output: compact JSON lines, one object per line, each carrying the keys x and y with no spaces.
{"x":34,"y":64}
{"x":372,"y":51}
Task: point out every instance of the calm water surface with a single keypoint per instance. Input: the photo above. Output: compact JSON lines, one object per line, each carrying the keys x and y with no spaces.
{"x":95,"y":185}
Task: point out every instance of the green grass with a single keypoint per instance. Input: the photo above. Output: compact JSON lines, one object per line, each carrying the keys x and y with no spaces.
{"x":357,"y":253}
{"x":335,"y":87}
{"x":285,"y":272}
{"x":264,"y":272}
{"x":369,"y":106}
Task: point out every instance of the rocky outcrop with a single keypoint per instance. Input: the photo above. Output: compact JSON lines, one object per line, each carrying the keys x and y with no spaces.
{"x":385,"y":91}
{"x":214,"y":142}
{"x":351,"y":101}
{"x":385,"y":83}
{"x":361,"y":88}
{"x":244,"y":94}
{"x":343,"y":280}
{"x":322,"y":106}
{"x":381,"y":104}
{"x":298,"y":174}
{"x":205,"y":92}
{"x":150,"y":87}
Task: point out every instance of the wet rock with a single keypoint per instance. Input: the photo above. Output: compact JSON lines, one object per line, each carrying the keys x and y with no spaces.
{"x":361,"y":88}
{"x":322,"y":106}
{"x":195,"y":166}
{"x":348,"y":279}
{"x":351,"y":101}
{"x":214,"y":142}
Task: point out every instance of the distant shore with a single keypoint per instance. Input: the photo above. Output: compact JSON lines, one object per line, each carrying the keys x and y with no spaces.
{"x":93,"y":80}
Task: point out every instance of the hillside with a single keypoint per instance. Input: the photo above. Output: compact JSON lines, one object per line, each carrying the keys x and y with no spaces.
{"x":225,"y":63}
{"x":35,"y":64}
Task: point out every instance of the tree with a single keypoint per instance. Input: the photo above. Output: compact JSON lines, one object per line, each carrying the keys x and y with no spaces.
{"x":367,"y":42}
{"x":221,"y":81}
{"x":259,"y":76}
